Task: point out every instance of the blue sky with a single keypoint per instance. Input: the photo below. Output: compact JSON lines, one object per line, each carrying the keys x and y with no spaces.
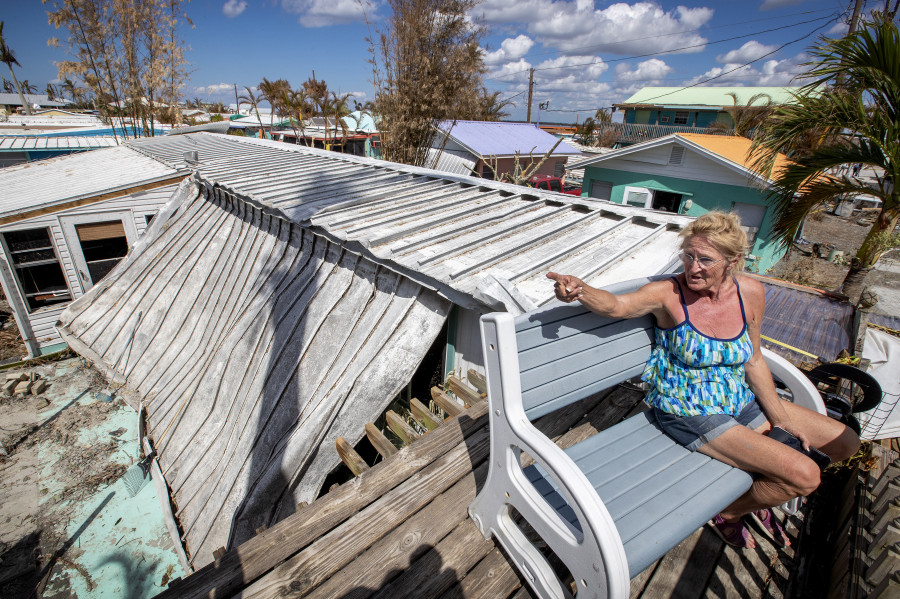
{"x":585,"y":54}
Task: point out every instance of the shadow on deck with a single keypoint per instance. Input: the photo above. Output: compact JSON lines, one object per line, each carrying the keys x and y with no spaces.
{"x":401,"y":529}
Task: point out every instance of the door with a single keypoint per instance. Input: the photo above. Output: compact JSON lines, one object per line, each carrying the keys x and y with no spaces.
{"x":751,"y":216}
{"x":98,"y":242}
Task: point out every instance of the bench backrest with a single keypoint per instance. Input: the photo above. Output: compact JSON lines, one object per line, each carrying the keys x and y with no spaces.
{"x":567,"y":353}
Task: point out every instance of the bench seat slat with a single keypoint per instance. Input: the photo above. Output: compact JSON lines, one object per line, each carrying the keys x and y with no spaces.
{"x":656,"y":491}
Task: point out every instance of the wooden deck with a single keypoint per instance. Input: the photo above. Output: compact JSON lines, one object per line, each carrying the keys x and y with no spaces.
{"x":401,"y":529}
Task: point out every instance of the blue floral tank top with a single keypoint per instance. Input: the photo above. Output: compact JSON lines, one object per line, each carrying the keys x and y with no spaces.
{"x":692,"y":374}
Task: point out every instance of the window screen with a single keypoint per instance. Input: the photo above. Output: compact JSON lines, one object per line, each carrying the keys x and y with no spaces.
{"x":37,"y":268}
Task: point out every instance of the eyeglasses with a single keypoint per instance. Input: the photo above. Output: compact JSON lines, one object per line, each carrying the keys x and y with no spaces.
{"x":704,"y":262}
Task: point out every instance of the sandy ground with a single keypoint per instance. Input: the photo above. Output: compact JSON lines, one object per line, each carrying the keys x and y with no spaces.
{"x":69,"y":526}
{"x":846,"y":235}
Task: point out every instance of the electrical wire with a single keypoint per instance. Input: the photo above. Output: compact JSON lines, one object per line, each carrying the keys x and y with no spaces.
{"x":594,"y":62}
{"x":644,"y":100}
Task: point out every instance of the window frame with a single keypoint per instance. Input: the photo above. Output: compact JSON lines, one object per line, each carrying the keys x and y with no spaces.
{"x":14,"y":271}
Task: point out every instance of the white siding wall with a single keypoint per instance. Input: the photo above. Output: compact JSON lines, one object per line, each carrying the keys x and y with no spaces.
{"x":39,"y":328}
{"x":694,"y":167}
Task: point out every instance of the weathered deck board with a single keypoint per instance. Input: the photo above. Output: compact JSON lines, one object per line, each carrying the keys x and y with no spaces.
{"x":401,"y":530}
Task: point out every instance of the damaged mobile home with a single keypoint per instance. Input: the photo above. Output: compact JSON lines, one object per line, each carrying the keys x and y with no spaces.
{"x":285,"y":295}
{"x":67,"y":221}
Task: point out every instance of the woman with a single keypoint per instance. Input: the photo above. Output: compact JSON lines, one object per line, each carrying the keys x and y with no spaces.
{"x":710,"y":387}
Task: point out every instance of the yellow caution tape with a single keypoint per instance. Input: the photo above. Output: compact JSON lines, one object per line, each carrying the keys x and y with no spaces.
{"x":792,"y":348}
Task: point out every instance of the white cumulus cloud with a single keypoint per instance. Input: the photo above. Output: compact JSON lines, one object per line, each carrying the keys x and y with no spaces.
{"x":752,"y":50}
{"x":510,"y":49}
{"x":322,"y":13}
{"x":219,"y":88}
{"x":233,"y":8}
{"x":649,"y":71}
{"x":619,"y":28}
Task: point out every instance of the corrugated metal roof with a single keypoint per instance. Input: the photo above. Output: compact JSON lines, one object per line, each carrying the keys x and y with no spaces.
{"x":458,"y":163}
{"x":213,"y":127}
{"x":57,"y":180}
{"x":707,"y":95}
{"x":252,"y":343}
{"x":495,"y":138}
{"x":7,"y":99}
{"x":477,"y":241}
{"x":24,"y":143}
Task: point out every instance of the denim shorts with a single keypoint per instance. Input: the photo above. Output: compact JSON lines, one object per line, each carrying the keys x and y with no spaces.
{"x":695,"y":431}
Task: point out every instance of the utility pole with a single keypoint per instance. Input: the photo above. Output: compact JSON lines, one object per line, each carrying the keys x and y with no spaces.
{"x":530,"y":92}
{"x":237,"y":103}
{"x":854,"y":20}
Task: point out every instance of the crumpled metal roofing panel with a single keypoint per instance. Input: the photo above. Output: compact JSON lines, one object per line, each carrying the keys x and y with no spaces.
{"x":479,"y":242}
{"x":55,"y":180}
{"x":254,"y":344}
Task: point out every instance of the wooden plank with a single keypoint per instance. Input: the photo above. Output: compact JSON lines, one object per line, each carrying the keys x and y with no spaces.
{"x":493,"y":577}
{"x":423,"y":414}
{"x":406,"y":543}
{"x":683,"y":571}
{"x":400,"y":427}
{"x":441,"y":567}
{"x":381,"y":443}
{"x":332,"y":551}
{"x":468,"y":395}
{"x":446,"y":403}
{"x":557,"y":423}
{"x":477,"y":380}
{"x":249,"y":561}
{"x":351,"y":459}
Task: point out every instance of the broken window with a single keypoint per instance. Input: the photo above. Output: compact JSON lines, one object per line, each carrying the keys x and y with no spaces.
{"x":681,"y":117}
{"x":37,"y":267}
{"x":103,"y":245}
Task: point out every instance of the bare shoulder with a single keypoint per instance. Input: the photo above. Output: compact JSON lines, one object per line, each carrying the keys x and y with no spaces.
{"x":752,"y":290}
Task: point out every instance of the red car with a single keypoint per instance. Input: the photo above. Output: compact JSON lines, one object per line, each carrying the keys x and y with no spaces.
{"x":551,"y":183}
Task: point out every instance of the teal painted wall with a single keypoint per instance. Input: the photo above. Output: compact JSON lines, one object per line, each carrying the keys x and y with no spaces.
{"x":705,"y":197}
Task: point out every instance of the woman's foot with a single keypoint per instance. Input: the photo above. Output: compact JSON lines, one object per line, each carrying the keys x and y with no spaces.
{"x":733,"y":533}
{"x":765,"y":519}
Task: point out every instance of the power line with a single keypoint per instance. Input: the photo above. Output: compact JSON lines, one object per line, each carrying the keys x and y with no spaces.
{"x":720,"y":75}
{"x":500,"y":78}
{"x":724,"y":25}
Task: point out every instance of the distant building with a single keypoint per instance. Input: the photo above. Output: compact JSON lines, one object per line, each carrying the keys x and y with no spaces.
{"x":12,"y":103}
{"x":485,"y":147}
{"x":694,"y":106}
{"x":690,"y":174}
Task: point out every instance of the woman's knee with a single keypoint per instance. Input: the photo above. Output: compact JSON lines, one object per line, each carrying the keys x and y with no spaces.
{"x":804,"y":476}
{"x":846,"y":445}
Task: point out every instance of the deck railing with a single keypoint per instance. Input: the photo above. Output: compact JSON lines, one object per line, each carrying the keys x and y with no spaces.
{"x":630,"y":133}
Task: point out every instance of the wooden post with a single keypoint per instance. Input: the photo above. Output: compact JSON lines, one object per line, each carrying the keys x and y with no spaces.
{"x":445,"y":403}
{"x":351,"y":459}
{"x":477,"y":380}
{"x":464,"y":392}
{"x":400,"y":427}
{"x":423,"y":414}
{"x":530,"y":92}
{"x":381,"y":443}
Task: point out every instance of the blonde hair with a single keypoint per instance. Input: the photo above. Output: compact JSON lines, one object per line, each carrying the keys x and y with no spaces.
{"x":724,"y":232}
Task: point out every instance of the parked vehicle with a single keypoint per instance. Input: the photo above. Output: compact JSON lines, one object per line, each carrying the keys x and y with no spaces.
{"x":551,"y":183}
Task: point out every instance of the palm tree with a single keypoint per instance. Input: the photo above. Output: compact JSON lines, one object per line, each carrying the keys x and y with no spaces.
{"x":252,"y":100}
{"x":273,"y":92}
{"x":858,"y":119}
{"x":8,"y":86}
{"x":340,"y":107}
{"x":7,"y":56}
{"x":493,"y":107}
{"x":747,"y":117}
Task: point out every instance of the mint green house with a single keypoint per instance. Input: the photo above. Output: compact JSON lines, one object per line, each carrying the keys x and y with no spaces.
{"x":689,"y":173}
{"x":699,"y":106}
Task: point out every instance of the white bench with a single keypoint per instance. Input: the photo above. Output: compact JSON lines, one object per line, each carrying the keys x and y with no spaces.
{"x":613,"y":504}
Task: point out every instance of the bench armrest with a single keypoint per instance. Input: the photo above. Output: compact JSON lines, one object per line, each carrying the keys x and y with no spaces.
{"x":803,"y":392}
{"x":595,"y":555}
